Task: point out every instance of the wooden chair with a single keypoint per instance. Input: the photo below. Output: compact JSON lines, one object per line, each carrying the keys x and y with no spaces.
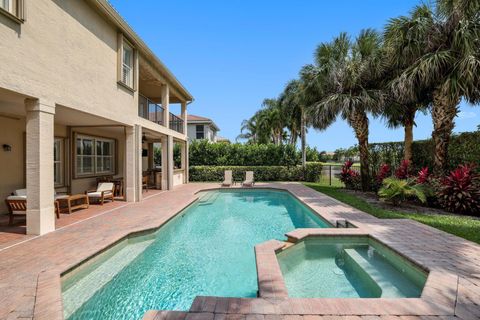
{"x":104,"y":191}
{"x":145,"y":183}
{"x":17,"y":205}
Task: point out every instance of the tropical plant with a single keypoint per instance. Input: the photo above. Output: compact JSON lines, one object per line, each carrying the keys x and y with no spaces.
{"x":423,"y":176}
{"x":350,"y":177}
{"x":460,"y":191}
{"x":353,"y":88}
{"x":403,"y":171}
{"x":396,"y":191}
{"x":443,"y":44}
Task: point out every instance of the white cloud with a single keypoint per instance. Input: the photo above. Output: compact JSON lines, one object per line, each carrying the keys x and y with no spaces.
{"x":467,"y":114}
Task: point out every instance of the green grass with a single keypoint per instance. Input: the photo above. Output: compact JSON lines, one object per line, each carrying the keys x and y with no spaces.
{"x":465,"y":227}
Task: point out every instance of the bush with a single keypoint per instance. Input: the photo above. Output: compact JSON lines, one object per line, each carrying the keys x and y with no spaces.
{"x":460,"y":191}
{"x":403,"y":171}
{"x":204,"y":153}
{"x":350,"y":177}
{"x":382,"y":174}
{"x":312,"y":173}
{"x":463,"y":148}
{"x":396,"y":190}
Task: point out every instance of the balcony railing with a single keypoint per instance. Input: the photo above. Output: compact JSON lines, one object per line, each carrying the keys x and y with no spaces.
{"x":176,"y":123}
{"x":150,"y":110}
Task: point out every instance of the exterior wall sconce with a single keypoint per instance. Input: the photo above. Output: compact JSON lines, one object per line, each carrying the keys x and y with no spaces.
{"x":7,"y":148}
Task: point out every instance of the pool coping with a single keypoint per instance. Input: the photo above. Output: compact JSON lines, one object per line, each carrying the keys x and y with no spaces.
{"x":274,"y":299}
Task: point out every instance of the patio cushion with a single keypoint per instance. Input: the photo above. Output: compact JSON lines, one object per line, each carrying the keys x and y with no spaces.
{"x":98,"y":194}
{"x":21,"y":192}
{"x":105,"y":186}
{"x":17,"y":198}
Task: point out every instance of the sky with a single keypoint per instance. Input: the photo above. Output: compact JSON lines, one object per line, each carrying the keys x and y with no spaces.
{"x":232,"y":54}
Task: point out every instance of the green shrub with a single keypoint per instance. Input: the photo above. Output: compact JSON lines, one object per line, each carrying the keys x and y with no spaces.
{"x":396,"y":190}
{"x":204,"y":153}
{"x":463,"y":148}
{"x":312,"y":173}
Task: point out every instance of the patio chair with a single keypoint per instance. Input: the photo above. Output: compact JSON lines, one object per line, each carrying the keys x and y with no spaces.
{"x":17,"y":205}
{"x":249,"y":180}
{"x":228,"y":180}
{"x":103,"y":192}
{"x":145,"y":183}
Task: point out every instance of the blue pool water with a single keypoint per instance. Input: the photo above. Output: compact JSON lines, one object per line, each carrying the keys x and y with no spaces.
{"x":207,"y":250}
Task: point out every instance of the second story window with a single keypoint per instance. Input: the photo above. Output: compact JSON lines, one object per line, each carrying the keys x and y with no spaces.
{"x":12,"y":8}
{"x":200,"y":130}
{"x":127,"y":64}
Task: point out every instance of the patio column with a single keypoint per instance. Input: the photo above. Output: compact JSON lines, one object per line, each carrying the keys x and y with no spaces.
{"x":166,"y":105}
{"x":165,"y":177}
{"x":133,"y":163}
{"x":170,"y":165}
{"x":39,"y":166}
{"x":185,"y":162}
{"x":184,"y":117}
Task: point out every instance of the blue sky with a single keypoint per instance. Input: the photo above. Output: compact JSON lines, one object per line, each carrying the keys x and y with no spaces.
{"x":231,"y":54}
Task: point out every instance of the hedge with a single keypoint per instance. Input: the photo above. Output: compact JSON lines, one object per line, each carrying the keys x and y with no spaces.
{"x":262,"y":173}
{"x":463,"y":148}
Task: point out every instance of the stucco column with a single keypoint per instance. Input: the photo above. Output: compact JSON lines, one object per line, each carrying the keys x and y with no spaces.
{"x":166,"y":105}
{"x":139,"y":162}
{"x":129,"y":179}
{"x":165,"y":179}
{"x":185,"y":162}
{"x":170,"y":162}
{"x":184,"y":117}
{"x":39,"y":163}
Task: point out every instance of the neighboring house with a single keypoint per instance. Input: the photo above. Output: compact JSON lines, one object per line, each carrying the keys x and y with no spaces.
{"x":81,"y":97}
{"x":200,"y":128}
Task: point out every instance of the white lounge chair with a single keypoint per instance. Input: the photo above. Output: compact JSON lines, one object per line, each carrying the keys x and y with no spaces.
{"x":249,"y":180}
{"x":228,"y":180}
{"x":103,"y":192}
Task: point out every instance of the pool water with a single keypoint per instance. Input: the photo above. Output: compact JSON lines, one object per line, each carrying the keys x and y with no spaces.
{"x":206,"y":250}
{"x":348,"y":268}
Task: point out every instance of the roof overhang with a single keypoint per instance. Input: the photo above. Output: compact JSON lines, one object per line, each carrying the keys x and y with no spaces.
{"x":106,"y":9}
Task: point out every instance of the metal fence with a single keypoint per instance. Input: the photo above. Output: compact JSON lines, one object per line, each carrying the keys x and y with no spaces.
{"x":331,"y":174}
{"x":150,"y":110}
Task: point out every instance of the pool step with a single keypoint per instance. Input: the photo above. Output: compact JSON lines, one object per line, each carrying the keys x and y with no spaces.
{"x":83,"y":289}
{"x":387,"y":289}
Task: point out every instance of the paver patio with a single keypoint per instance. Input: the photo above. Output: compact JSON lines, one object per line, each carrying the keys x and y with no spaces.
{"x":30,"y":282}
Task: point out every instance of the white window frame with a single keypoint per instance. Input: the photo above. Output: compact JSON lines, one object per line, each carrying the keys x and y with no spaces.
{"x":96,"y":171}
{"x":126,"y":80}
{"x":13,"y":9}
{"x":60,"y":163}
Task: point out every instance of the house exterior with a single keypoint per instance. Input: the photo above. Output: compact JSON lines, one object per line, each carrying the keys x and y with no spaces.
{"x":82,"y":97}
{"x":199,"y":128}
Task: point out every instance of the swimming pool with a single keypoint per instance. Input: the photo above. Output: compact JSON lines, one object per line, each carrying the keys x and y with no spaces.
{"x":208,"y":249}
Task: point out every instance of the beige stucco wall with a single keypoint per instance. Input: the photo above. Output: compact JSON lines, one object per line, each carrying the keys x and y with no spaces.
{"x":67,"y":54}
{"x":12,"y":163}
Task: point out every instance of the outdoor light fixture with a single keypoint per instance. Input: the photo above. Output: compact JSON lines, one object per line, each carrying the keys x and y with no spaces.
{"x":7,"y":148}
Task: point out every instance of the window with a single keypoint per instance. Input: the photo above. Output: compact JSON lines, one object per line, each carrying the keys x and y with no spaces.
{"x":127,"y":64}
{"x":12,"y":9}
{"x":58,"y":162}
{"x":200,"y":130}
{"x":94,"y":156}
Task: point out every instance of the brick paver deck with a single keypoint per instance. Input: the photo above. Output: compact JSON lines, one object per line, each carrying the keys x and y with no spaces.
{"x":30,"y":271}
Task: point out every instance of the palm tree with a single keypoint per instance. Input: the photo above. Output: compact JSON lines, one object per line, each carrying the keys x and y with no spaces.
{"x":444,"y":46}
{"x":353,"y":88}
{"x":248,"y":131}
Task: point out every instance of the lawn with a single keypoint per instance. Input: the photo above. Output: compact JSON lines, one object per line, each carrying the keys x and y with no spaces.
{"x":465,"y":227}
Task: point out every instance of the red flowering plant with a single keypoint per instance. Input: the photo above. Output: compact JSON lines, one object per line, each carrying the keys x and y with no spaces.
{"x":383,"y":172}
{"x":402,"y":171}
{"x":460,"y":191}
{"x":423,"y":176}
{"x":350,"y":177}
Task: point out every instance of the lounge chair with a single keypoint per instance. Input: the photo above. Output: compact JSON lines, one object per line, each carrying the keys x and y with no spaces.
{"x":249,"y":180}
{"x":17,"y":204}
{"x":103,"y":192}
{"x":228,"y":180}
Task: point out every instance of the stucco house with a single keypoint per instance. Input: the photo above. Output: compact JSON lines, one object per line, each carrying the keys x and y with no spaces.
{"x":82,"y":97}
{"x":199,"y":128}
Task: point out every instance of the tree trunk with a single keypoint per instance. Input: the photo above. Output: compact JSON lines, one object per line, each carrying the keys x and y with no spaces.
{"x":444,"y":111}
{"x":304,"y":140}
{"x":359,"y":122}
{"x":408,"y":139}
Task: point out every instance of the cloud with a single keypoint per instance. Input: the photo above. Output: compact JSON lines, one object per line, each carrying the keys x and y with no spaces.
{"x":467,"y":114}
